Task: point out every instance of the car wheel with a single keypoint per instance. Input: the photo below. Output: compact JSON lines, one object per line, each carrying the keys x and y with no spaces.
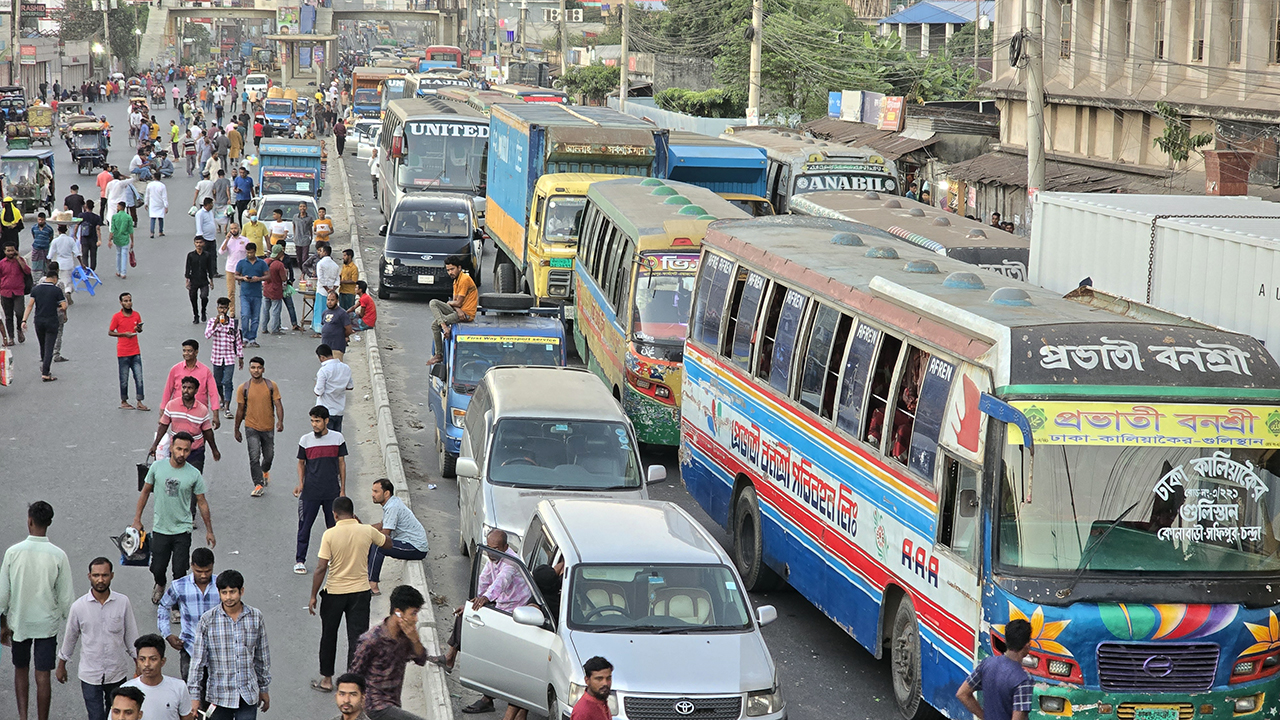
{"x":463,"y":546}
{"x":748,"y":544}
{"x":383,"y":292}
{"x":554,"y":711}
{"x":904,"y":649}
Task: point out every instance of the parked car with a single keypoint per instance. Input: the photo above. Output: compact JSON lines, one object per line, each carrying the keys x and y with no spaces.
{"x":424,"y":230}
{"x":265,"y":205}
{"x":368,"y":140}
{"x":644,"y":585}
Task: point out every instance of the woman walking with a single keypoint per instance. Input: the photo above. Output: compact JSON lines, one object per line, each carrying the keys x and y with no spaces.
{"x":46,"y":300}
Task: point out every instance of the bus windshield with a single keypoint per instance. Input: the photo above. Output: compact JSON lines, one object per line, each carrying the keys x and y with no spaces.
{"x":563,"y":214}
{"x":446,"y":159}
{"x":1141,"y":509}
{"x":664,"y":293}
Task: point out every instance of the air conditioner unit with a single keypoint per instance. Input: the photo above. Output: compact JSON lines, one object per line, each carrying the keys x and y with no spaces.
{"x":550,"y":15}
{"x":575,"y":15}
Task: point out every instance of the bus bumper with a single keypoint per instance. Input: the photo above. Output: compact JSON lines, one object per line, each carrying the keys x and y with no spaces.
{"x":655,"y":423}
{"x":1245,"y":702}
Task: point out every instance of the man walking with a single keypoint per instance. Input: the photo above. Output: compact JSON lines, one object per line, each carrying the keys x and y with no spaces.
{"x":273,"y":292}
{"x":333,"y":380}
{"x":221,"y":196}
{"x":231,"y":643}
{"x":125,"y":326}
{"x":157,"y":200}
{"x":102,"y":623}
{"x":244,"y":193}
{"x":90,"y":235}
{"x":206,"y":226}
{"x":172,"y":523}
{"x":408,"y":537}
{"x":226,"y":353}
{"x":260,"y":408}
{"x":335,"y":326}
{"x":340,"y":135}
{"x":47,"y":300}
{"x":250,"y":272}
{"x":35,"y":600}
{"x":193,"y":594}
{"x":328,"y":280}
{"x":206,"y":393}
{"x":122,"y":226}
{"x":233,"y":246}
{"x":165,"y":697}
{"x":322,"y":477}
{"x":186,"y":414}
{"x":198,"y":278}
{"x":343,"y":571}
{"x":65,"y":251}
{"x":383,"y":651}
{"x":460,"y":308}
{"x":1006,"y":687}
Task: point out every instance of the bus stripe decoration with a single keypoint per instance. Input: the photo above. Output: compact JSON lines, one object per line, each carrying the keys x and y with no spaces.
{"x":1165,"y":622}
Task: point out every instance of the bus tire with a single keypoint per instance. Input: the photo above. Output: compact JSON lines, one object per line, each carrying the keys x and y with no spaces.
{"x":504,"y":278}
{"x":748,"y":544}
{"x":904,"y":658}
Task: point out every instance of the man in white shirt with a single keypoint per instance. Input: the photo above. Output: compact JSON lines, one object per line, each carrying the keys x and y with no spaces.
{"x":167,"y":698}
{"x":333,"y":380}
{"x":117,"y":189}
{"x":157,"y":199}
{"x":206,"y":227}
{"x":102,"y":623}
{"x":65,"y":250}
{"x":328,"y":278}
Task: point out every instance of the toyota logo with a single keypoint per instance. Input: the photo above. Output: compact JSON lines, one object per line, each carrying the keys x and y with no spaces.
{"x":1158,"y":666}
{"x":683,"y":707}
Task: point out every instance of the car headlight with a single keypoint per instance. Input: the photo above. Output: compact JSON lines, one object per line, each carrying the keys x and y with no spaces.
{"x":459,"y":415}
{"x":764,"y":702}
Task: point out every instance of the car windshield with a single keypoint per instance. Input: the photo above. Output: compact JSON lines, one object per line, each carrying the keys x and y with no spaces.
{"x":475,"y":354}
{"x":564,"y":455}
{"x":277,"y":107}
{"x":563,"y":215}
{"x":1141,"y":509}
{"x":441,"y":154}
{"x":664,"y":291}
{"x":430,"y":223}
{"x":288,"y":209}
{"x":673,"y":599}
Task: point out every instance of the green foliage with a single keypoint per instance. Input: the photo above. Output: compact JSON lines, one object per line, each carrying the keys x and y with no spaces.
{"x":713,"y":103}
{"x":80,"y":22}
{"x":961,"y":42}
{"x":1177,"y":141}
{"x":593,"y":82}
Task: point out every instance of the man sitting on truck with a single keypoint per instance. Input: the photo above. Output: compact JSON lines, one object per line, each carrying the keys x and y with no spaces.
{"x":460,"y":308}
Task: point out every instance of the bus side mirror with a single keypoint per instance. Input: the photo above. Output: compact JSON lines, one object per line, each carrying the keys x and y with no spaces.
{"x":968,"y":503}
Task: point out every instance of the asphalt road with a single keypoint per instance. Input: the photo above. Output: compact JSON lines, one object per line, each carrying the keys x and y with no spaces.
{"x":824,"y":671}
{"x":67,"y":443}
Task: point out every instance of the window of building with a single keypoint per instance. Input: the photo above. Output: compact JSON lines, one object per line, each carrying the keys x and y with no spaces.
{"x":1235,"y":30}
{"x":1126,"y":7}
{"x":1158,"y":29}
{"x":1065,"y":28}
{"x":1275,"y":32}
{"x":1197,"y":30}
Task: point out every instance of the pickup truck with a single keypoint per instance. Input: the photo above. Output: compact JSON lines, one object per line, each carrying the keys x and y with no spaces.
{"x":290,"y":166}
{"x":279,"y":115}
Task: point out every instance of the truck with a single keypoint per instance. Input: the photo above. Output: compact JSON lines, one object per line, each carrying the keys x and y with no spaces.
{"x":1210,"y":258}
{"x":542,"y":158}
{"x":278,"y":115}
{"x":364,"y":89}
{"x":734,"y":171}
{"x":288,"y":165}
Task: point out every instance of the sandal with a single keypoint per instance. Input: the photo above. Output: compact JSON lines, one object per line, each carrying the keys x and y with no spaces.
{"x":315,"y":685}
{"x":440,"y":660}
{"x":47,"y":378}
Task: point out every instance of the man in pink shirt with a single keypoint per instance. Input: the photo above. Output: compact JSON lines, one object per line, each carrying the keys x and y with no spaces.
{"x":186,"y":414}
{"x":207,"y":392}
{"x":594,"y":703}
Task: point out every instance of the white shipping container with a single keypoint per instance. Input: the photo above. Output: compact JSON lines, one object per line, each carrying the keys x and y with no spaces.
{"x":1223,"y":270}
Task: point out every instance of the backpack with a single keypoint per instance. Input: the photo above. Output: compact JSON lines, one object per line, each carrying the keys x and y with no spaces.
{"x":242,"y":394}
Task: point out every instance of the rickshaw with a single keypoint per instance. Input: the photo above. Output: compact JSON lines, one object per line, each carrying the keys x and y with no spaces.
{"x":88,"y":143}
{"x":40,"y":120}
{"x":13,"y":107}
{"x":158,"y":95}
{"x":66,"y":109}
{"x":139,"y":103}
{"x":20,"y":174}
{"x":17,"y":135}
{"x":71,"y":121}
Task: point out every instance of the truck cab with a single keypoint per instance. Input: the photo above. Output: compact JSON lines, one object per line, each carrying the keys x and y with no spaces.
{"x":507,"y":330}
{"x":290,"y":166}
{"x":551,"y":243}
{"x":279,"y":116}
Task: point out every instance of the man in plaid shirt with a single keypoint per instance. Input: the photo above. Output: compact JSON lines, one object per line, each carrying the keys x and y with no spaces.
{"x":227,"y":353}
{"x":1006,"y":687}
{"x":194,"y":594}
{"x":231,"y":644}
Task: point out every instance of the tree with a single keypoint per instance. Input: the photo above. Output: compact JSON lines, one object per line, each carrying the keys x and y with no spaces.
{"x":1177,"y":141}
{"x":961,"y":42}
{"x":713,"y":103}
{"x":79,"y":21}
{"x":593,"y":82}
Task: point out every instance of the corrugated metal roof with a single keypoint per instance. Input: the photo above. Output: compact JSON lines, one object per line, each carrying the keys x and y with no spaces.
{"x":1011,"y":169}
{"x":886,"y":142}
{"x":939,"y":11}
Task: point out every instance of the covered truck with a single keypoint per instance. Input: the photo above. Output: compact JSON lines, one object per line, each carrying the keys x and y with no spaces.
{"x":278,"y":111}
{"x":734,"y":171}
{"x":290,"y":166}
{"x":365,"y":100}
{"x":542,"y":158}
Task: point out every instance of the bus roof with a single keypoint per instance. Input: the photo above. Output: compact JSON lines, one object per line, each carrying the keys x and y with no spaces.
{"x":579,"y":116}
{"x":694,"y":150}
{"x":920,"y":293}
{"x":643,"y":206}
{"x":379,"y":71}
{"x":434,"y":107}
{"x":783,"y":142}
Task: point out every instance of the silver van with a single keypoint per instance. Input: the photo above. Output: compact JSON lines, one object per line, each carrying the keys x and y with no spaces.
{"x":641,"y":584}
{"x":534,"y":433}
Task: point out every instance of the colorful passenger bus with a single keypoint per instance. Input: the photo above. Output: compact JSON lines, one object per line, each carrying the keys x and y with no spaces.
{"x":863,"y":416}
{"x":529,"y":93}
{"x":633,"y":281}
{"x":438,"y":56}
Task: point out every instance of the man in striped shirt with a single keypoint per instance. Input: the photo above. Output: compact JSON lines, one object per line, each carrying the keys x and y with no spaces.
{"x":322,"y":478}
{"x":186,"y":414}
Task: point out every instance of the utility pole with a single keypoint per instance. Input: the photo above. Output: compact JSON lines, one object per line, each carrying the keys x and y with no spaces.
{"x":564,"y":39}
{"x":524,"y":19}
{"x":623,"y":58}
{"x":753,"y":75}
{"x":1034,"y":48}
{"x":977,"y":28}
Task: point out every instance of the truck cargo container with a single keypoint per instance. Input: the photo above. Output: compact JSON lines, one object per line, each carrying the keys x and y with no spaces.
{"x":290,"y":166}
{"x":730,"y":169}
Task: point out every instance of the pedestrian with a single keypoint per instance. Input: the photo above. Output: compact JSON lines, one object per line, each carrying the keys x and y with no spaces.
{"x":349,"y":275}
{"x":14,"y":275}
{"x":333,"y":380}
{"x":278,"y":230}
{"x":375,"y":171}
{"x":257,"y":133}
{"x":244,"y":194}
{"x":383,"y":652}
{"x":221,"y":200}
{"x":193,"y":595}
{"x":90,"y":235}
{"x":118,"y":191}
{"x":157,"y":199}
{"x":365,"y":314}
{"x":35,"y":599}
{"x":198,"y":278}
{"x":328,"y":280}
{"x":206,"y":392}
{"x":342,"y":570}
{"x":408,"y":539}
{"x":251,"y":272}
{"x":322,"y":477}
{"x":189,"y":150}
{"x":273,"y":291}
{"x":231,"y":643}
{"x":260,"y":407}
{"x":64,"y":251}
{"x":122,"y":226}
{"x":335,"y":326}
{"x":172,"y":521}
{"x":340,"y":135}
{"x":186,"y":414}
{"x":226,"y":352}
{"x":349,"y":696}
{"x":46,"y":300}
{"x":460,"y":308}
{"x":102,"y":623}
{"x":233,"y":245}
{"x":10,"y":223}
{"x":165,"y":697}
{"x":597,"y":675}
{"x":235,"y":144}
{"x":74,"y":201}
{"x":175,"y":136}
{"x":1006,"y":687}
{"x":322,"y":228}
{"x":206,"y":226}
{"x":41,"y":237}
{"x":303,"y":224}
{"x":221,"y":144}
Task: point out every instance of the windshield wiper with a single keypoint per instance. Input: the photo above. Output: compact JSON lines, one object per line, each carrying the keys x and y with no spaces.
{"x":1088,"y":556}
{"x":627,"y":628}
{"x":696,"y":629}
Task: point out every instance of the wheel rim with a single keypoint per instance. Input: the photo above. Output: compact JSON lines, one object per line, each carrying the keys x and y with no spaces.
{"x":905,"y":651}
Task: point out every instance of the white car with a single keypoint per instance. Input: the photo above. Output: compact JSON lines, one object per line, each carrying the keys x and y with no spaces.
{"x":369,"y":133}
{"x":257,"y":83}
{"x":264,"y":205}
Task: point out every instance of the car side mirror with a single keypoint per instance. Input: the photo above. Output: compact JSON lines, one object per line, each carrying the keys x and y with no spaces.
{"x":657,"y":473}
{"x":437,"y":371}
{"x":383,"y":229}
{"x":765,"y":614}
{"x":968,"y":503}
{"x":466,"y":467}
{"x":529,"y":615}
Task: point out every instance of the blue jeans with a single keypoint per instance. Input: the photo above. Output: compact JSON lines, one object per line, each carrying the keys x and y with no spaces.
{"x":250,"y":314}
{"x":244,"y":712}
{"x":122,"y":259}
{"x":131,"y":363}
{"x":222,"y":375}
{"x":97,"y":699}
{"x":293,"y":312}
{"x":399,"y":549}
{"x":154,"y":220}
{"x":271,"y":314}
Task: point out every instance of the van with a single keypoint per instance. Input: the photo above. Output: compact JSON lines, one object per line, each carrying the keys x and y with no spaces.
{"x":534,"y":433}
{"x":423,"y":231}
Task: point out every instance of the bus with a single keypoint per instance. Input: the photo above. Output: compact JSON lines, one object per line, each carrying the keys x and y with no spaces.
{"x":531,"y":94}
{"x":481,"y":100}
{"x":441,"y":56}
{"x":393,"y":88}
{"x":927,"y":450}
{"x":431,"y":83}
{"x":431,"y":144}
{"x":945,"y":233}
{"x":799,"y":165}
{"x":633,"y":281}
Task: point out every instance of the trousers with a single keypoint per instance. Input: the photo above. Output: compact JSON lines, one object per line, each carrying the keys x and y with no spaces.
{"x":399,"y":550}
{"x":12,"y":312}
{"x":46,"y":334}
{"x":307,"y":511}
{"x":122,"y":259}
{"x":262,"y":452}
{"x":222,"y":378}
{"x":392,"y":713}
{"x":89,"y":253}
{"x":445,"y":314}
{"x":169,"y":547}
{"x":97,"y":699}
{"x":202,"y":310}
{"x":250,"y":315}
{"x":246,"y":711}
{"x":271,"y":314}
{"x":333,"y":608}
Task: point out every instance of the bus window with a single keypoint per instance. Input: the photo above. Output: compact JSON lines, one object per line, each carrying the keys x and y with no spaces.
{"x":827,"y":339}
{"x":784,"y":344}
{"x":740,"y":334}
{"x":712,"y":288}
{"x":904,"y":412}
{"x":764,"y":348}
{"x":958,"y":529}
{"x":881,"y":377}
{"x":930,"y":408}
{"x":854,"y":384}
{"x":621,"y":287}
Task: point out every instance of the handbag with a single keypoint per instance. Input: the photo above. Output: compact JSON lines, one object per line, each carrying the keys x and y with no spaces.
{"x":133,"y":259}
{"x":28,"y":282}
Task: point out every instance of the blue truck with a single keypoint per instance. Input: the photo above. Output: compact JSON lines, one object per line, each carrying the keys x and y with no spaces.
{"x":507,"y":330}
{"x":732,"y":170}
{"x":278,"y":116}
{"x":290,"y":166}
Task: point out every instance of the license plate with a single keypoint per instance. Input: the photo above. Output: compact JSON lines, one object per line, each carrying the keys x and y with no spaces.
{"x":1155,"y":713}
{"x":561,"y":262}
{"x":431,"y":279}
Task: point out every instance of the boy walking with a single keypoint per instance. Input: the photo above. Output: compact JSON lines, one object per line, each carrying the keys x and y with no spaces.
{"x":259,"y":408}
{"x":322,"y":478}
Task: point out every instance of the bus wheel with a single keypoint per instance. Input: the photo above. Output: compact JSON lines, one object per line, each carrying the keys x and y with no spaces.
{"x":748,"y":544}
{"x":904,"y":648}
{"x":504,"y":277}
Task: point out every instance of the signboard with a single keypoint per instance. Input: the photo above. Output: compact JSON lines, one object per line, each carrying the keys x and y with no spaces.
{"x":30,"y":9}
{"x":851,"y":106}
{"x":473,"y":53}
{"x":446,"y":129}
{"x":27,"y":54}
{"x":834,"y":99}
{"x":304,"y":56}
{"x":892,"y":113}
{"x":1127,"y":424}
{"x":287,"y":17}
{"x":317,"y":55}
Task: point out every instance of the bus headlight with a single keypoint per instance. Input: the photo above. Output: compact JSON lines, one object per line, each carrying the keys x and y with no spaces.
{"x":764,"y":702}
{"x":1245,"y":704}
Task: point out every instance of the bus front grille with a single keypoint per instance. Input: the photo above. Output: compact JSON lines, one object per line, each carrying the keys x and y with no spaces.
{"x":1157,"y":666}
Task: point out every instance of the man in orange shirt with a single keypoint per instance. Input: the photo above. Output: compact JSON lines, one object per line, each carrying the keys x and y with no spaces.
{"x":460,"y":308}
